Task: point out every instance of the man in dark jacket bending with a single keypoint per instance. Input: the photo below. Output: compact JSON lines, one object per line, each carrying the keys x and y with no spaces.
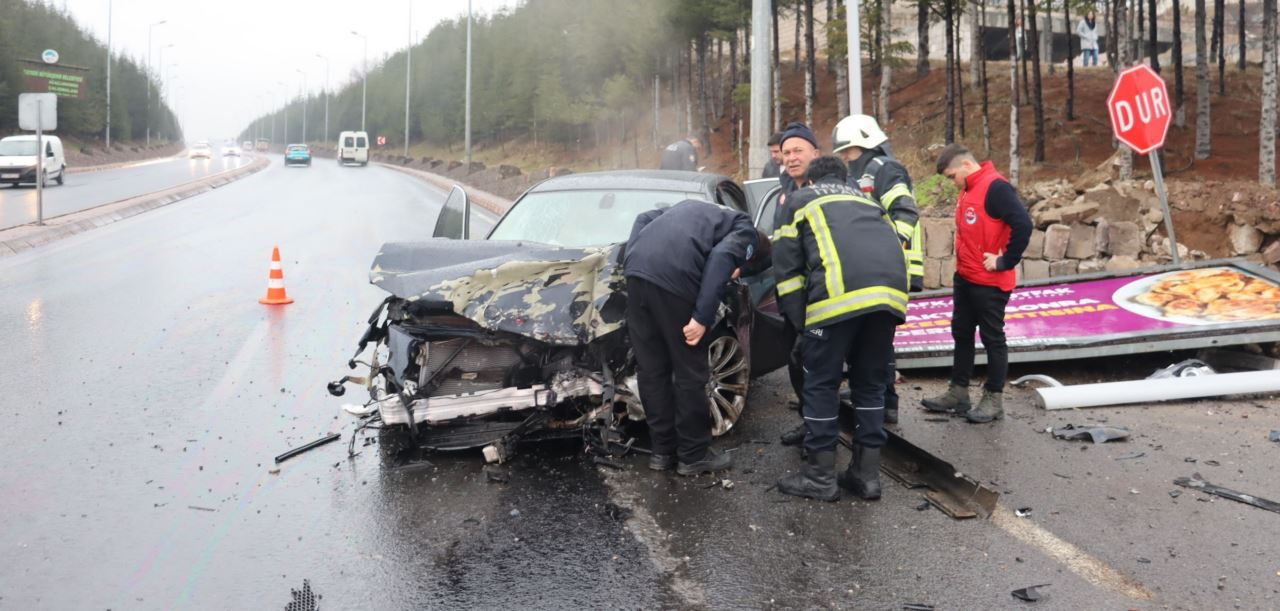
{"x":677,"y":262}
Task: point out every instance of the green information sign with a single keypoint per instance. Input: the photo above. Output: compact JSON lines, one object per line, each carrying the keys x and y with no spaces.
{"x":62,"y":81}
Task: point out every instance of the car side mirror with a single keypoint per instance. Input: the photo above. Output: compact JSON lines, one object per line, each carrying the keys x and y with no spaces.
{"x":454,"y":220}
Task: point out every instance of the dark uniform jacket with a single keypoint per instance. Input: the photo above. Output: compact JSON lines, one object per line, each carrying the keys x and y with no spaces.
{"x":771,"y":169}
{"x":690,"y":250}
{"x":877,"y":175}
{"x":838,"y":258}
{"x":680,"y":156}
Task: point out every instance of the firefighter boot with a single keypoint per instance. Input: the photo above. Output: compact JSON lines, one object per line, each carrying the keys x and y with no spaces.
{"x":863,"y":475}
{"x":793,"y":436}
{"x":817,"y":480}
{"x":990,"y":407}
{"x":954,"y":401}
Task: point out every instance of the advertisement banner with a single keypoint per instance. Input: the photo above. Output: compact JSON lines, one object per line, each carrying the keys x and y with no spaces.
{"x":1097,"y":311}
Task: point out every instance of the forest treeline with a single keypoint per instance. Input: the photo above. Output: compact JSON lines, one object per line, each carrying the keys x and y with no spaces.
{"x":28,"y":28}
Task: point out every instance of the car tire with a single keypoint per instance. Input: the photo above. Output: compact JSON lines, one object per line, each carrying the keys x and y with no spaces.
{"x":62,"y":173}
{"x":730,"y":381}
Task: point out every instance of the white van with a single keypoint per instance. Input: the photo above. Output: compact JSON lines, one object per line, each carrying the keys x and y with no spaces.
{"x":18,"y":160}
{"x":353,"y":147}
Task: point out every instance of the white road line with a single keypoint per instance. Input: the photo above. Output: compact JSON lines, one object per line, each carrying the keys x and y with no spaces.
{"x":647,"y":531}
{"x":1077,"y":560}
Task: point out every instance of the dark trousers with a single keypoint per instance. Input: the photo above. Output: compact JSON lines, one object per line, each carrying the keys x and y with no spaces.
{"x":979,"y":307}
{"x":891,"y":384}
{"x":864,"y":343}
{"x":673,"y":376}
{"x":795,"y":367}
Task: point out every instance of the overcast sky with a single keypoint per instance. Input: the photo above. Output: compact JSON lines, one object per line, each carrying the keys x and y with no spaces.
{"x":228,"y":55}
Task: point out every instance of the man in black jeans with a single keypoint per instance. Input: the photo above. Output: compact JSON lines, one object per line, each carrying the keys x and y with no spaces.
{"x":992,"y":230}
{"x":677,"y":262}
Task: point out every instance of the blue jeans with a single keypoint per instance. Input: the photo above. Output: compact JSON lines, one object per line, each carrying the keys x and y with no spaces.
{"x":1090,"y":53}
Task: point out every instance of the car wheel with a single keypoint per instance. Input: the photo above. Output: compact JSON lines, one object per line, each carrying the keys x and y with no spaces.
{"x":730,"y":378}
{"x":62,"y":175}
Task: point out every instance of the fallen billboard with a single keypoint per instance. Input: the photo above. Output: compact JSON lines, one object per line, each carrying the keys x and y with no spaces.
{"x":1214,"y":303}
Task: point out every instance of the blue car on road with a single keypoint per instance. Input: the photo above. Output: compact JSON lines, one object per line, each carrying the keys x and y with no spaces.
{"x":297,"y":154}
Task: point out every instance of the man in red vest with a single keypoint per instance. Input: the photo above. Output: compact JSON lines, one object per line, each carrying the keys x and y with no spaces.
{"x":992,"y":230}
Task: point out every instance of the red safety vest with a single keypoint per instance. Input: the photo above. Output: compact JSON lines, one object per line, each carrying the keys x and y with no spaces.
{"x":977,"y":233}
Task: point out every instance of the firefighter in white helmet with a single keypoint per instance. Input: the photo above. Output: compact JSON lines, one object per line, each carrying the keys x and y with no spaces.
{"x":874,"y":172}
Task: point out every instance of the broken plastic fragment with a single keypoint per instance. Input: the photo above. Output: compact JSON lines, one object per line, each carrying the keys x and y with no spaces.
{"x":1099,"y":434}
{"x":1030,"y":593}
{"x":917,"y":607}
{"x":1022,"y":512}
{"x":1274,"y":436}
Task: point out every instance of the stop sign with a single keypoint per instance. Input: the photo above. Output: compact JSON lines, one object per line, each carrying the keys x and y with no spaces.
{"x":1139,"y":107}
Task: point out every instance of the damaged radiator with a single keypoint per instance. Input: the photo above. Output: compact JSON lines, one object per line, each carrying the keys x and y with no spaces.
{"x":444,"y":408}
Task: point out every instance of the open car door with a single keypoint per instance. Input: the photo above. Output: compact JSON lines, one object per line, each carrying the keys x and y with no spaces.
{"x":771,"y":340}
{"x":455,"y":216}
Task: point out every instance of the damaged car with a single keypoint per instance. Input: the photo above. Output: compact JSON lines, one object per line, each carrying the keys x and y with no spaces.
{"x":521,"y":336}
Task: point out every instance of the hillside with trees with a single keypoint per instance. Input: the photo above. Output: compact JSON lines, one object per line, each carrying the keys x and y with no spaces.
{"x":27,"y":28}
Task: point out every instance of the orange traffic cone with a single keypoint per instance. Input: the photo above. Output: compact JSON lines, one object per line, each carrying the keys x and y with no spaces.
{"x":275,"y":282}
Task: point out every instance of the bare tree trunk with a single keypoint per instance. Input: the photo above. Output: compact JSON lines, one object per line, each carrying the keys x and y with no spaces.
{"x":1202,"y":86}
{"x":1137,"y":32}
{"x":950,"y":101}
{"x":1037,"y":91}
{"x":718,"y":68}
{"x":975,"y":43}
{"x":1213,"y":34}
{"x":1113,"y":41}
{"x":1015,"y":158}
{"x":676,"y":76}
{"x":704,"y":129}
{"x":1179,"y":98}
{"x":1153,"y":44}
{"x":886,"y":71}
{"x":1046,"y":37}
{"x":777,"y":74}
{"x":842,"y":89}
{"x":922,"y":38}
{"x":1071,"y":63}
{"x":733,"y":85}
{"x":959,"y":72}
{"x":1267,"y":128}
{"x":799,"y":18}
{"x":811,"y":65}
{"x":982,"y":79}
{"x":1023,"y":52}
{"x":1240,"y":35}
{"x":688,"y":90}
{"x":1221,"y":18}
{"x":831,"y":14}
{"x":1126,"y":52}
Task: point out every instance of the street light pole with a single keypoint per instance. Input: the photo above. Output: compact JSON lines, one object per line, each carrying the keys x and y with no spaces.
{"x":108,"y":74}
{"x":304,"y":104}
{"x":160,"y":85}
{"x":855,"y":56}
{"x":761,"y":79}
{"x":150,"y":31}
{"x":364,"y":87}
{"x":408,"y":78}
{"x":325,"y":137}
{"x":468,"y":103}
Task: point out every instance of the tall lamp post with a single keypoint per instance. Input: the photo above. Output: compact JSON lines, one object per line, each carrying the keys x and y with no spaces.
{"x":304,"y":104}
{"x":325,"y":135}
{"x":408,"y":78}
{"x":364,"y":77}
{"x":109,"y":74}
{"x":468,"y":104}
{"x":150,"y":29}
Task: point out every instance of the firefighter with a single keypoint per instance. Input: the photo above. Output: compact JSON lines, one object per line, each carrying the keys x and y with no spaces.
{"x":874,"y":172}
{"x":842,"y":280}
{"x":682,"y":155}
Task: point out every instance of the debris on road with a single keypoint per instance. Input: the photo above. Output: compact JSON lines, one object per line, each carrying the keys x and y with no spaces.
{"x":1131,"y":455}
{"x":199,"y":508}
{"x":1274,"y":436}
{"x":956,"y":494}
{"x":1164,"y":389}
{"x":1030,"y":593}
{"x":496,"y":475}
{"x":1235,"y":359}
{"x":916,"y":607}
{"x":274,"y":471}
{"x":1197,"y":483}
{"x":1022,"y":512}
{"x":310,"y":446}
{"x":1175,"y":493}
{"x":922,"y":506}
{"x":1035,"y":377}
{"x":1186,"y":369}
{"x":1099,"y":434}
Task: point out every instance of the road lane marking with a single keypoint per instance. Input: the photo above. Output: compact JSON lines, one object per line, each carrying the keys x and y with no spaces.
{"x":1077,"y":560}
{"x":646,"y":530}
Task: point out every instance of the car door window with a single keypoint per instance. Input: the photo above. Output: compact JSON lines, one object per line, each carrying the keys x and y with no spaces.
{"x":361,"y":142}
{"x":764,"y":217}
{"x":728,"y":194}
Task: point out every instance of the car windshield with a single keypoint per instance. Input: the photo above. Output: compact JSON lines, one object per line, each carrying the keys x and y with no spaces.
{"x":297,"y":149}
{"x":582,"y":218}
{"x":17,"y":147}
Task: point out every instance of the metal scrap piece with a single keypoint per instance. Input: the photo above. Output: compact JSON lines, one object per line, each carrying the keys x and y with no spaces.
{"x":1099,"y":434}
{"x":954,"y":493}
{"x":1196,"y":483}
{"x":310,"y":446}
{"x":1274,"y":436}
{"x":1030,"y":593}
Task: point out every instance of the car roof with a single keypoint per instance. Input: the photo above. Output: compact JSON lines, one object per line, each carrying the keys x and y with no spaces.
{"x":26,"y":138}
{"x":657,"y":180}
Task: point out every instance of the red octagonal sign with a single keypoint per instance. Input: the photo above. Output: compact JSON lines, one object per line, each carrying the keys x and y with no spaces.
{"x":1139,"y":107}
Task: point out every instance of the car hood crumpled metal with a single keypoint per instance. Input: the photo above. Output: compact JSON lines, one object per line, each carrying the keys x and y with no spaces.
{"x":560,"y":296}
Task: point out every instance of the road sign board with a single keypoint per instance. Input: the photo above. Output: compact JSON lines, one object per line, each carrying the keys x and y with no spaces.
{"x":1139,"y":107}
{"x":31,"y":117}
{"x":49,"y":56}
{"x":382,"y":140}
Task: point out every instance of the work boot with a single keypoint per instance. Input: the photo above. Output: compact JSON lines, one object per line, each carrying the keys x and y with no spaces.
{"x":713,"y":461}
{"x":662,"y":462}
{"x":863,"y":475}
{"x":817,"y":480}
{"x":990,"y":407}
{"x":793,"y":436}
{"x":890,"y":415}
{"x":954,"y":401}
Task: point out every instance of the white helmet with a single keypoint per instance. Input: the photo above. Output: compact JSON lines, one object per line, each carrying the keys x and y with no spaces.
{"x":861,"y":131}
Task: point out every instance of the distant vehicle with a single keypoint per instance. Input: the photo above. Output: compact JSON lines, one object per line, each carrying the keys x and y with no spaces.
{"x":263,"y":145}
{"x":297,"y":154}
{"x":18,"y":160}
{"x":353,"y":147}
{"x":230,"y":150}
{"x":200,"y":150}
{"x":247,"y":145}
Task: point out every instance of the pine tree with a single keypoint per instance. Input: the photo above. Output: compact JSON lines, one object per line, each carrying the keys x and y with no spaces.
{"x":1038,"y":91}
{"x":1202,"y":85}
{"x":1015,"y":157}
{"x":1267,"y":129}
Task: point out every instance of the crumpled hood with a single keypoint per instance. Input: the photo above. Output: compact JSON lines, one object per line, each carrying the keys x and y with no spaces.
{"x":562,"y":296}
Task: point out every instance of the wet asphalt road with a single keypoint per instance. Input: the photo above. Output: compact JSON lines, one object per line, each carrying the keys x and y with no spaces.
{"x":89,"y":189}
{"x":147,"y":391}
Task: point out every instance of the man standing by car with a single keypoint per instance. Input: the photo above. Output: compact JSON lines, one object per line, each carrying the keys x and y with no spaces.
{"x":677,"y":261}
{"x":992,"y":230}
{"x":799,"y":147}
{"x":874,"y":172}
{"x":842,"y":279}
{"x":682,"y":155}
{"x":773,"y":168}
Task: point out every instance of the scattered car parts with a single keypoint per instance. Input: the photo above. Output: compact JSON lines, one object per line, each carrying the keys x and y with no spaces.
{"x":1030,"y":593}
{"x":1165,"y":389}
{"x":1196,"y":483}
{"x":306,"y":448}
{"x":1098,"y":434}
{"x":956,"y":494}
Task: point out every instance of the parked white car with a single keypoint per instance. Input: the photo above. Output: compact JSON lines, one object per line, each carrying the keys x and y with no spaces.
{"x":353,"y":147}
{"x":18,"y":160}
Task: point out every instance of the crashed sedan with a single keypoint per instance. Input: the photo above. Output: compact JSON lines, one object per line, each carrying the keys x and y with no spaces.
{"x":521,"y":336}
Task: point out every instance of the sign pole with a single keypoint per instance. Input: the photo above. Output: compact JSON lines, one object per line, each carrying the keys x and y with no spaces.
{"x":39,"y":163}
{"x":1158,"y":173}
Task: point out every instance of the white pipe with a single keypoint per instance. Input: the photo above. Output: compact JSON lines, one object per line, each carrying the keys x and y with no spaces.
{"x":1165,"y":389}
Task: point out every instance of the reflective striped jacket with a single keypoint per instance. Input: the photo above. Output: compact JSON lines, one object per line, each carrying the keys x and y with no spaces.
{"x":885,"y":180}
{"x":838,"y":258}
